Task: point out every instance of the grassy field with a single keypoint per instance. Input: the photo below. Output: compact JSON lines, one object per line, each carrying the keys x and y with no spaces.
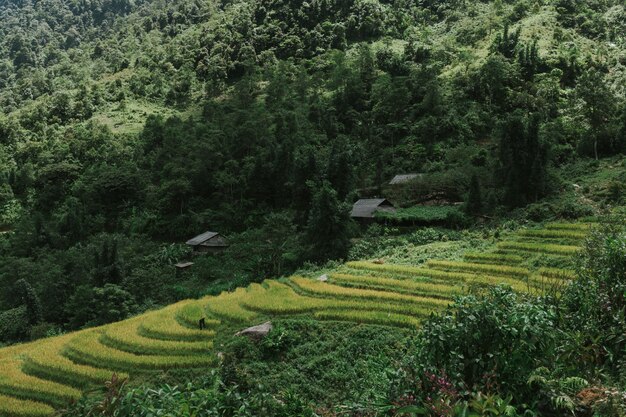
{"x":37,"y":377}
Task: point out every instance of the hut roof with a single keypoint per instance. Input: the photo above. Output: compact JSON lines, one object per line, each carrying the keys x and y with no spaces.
{"x":200,"y":239}
{"x":366,"y":207}
{"x":403,"y":178}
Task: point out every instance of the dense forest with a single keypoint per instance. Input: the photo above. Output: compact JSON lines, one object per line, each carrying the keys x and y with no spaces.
{"x":127,"y":127}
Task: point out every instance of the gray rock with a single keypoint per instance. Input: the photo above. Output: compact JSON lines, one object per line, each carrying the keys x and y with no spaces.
{"x":323,"y":278}
{"x":256,"y":332}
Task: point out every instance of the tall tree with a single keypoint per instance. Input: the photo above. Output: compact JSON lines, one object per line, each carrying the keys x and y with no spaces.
{"x":327,"y":231}
{"x":474,"y":203}
{"x":29,"y":298}
{"x":598,"y":109}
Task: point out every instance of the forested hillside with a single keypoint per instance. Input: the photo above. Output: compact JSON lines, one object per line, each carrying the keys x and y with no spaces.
{"x":494,"y":288}
{"x":128,"y":127}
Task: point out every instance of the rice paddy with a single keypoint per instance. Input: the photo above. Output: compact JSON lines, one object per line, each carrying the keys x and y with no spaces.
{"x":38,"y":377}
{"x":547,"y":248}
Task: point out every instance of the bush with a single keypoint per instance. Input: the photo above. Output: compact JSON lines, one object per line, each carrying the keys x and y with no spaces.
{"x":14,"y":324}
{"x":496,"y":339}
{"x":596,"y":301}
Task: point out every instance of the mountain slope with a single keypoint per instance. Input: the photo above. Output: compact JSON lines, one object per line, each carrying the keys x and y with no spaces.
{"x":48,"y":373}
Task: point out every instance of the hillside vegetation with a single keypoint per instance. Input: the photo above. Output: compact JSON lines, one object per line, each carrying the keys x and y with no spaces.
{"x":128,"y":127}
{"x":49,"y":373}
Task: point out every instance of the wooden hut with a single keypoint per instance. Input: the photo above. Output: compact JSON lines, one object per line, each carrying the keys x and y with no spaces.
{"x":404,"y":178}
{"x":365,"y":208}
{"x":208,"y":242}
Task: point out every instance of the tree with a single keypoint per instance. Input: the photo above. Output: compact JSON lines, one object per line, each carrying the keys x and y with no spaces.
{"x":327,"y":231}
{"x":598,"y":109}
{"x":305,"y":177}
{"x":107,"y":266}
{"x":95,"y":306}
{"x":523,"y":159}
{"x":29,"y":298}
{"x":474,"y":203}
{"x":340,"y":167}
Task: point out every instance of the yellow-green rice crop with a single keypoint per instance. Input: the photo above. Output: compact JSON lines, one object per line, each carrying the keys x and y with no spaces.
{"x":370,"y":317}
{"x":583,"y":227}
{"x":397,"y":285}
{"x":547,"y":248}
{"x":477,"y":268}
{"x":227,"y":306}
{"x":558,"y":273}
{"x":409,"y":271}
{"x":14,"y":382}
{"x":162,"y":324}
{"x":280,"y":298}
{"x":87,"y":349}
{"x":493,"y":258}
{"x":322,"y":288}
{"x":14,"y":407}
{"x":47,"y":362}
{"x":440,"y":275}
{"x":554,"y":234}
{"x":191,"y":312}
{"x":124,"y":336}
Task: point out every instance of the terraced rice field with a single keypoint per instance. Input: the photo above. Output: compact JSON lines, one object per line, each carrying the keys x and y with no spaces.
{"x":37,"y":377}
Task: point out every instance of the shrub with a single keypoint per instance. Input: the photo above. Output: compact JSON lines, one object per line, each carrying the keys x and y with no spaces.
{"x":500,"y":337}
{"x":596,"y":301}
{"x":14,"y":324}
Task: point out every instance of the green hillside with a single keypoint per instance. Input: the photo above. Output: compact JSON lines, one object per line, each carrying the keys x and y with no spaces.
{"x":38,"y":376}
{"x":490,"y":134}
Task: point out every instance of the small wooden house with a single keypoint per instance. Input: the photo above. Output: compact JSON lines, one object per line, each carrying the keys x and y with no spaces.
{"x":404,"y":178}
{"x":208,"y":242}
{"x":365,"y":208}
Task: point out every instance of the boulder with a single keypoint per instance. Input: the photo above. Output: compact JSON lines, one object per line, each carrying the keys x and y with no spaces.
{"x":256,"y":332}
{"x":323,"y":278}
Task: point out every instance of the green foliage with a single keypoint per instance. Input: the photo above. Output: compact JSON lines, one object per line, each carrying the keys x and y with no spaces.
{"x":497,"y":338}
{"x":325,"y":363}
{"x":92,"y":306}
{"x":203,"y":397}
{"x":449,"y":216}
{"x":327,"y":230}
{"x":595,"y":302}
{"x":29,"y":298}
{"x":474,"y":203}
{"x":14,"y":324}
